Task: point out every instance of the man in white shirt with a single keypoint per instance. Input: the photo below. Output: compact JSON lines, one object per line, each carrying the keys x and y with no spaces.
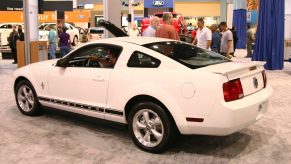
{"x":204,"y":35}
{"x":150,"y":31}
{"x":226,"y":46}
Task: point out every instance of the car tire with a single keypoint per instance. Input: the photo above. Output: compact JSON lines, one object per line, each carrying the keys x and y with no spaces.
{"x":150,"y":127}
{"x":75,"y":41}
{"x":26,"y":99}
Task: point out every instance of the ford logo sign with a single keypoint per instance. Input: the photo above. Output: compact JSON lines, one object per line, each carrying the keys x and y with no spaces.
{"x":81,"y":16}
{"x":158,"y":3}
{"x":255,"y":82}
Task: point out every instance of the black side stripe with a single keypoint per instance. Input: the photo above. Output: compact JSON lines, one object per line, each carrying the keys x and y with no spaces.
{"x":82,"y":106}
{"x":43,"y":99}
{"x":114,"y":112}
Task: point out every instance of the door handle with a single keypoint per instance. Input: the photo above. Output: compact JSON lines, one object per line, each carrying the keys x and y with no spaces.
{"x":98,"y":78}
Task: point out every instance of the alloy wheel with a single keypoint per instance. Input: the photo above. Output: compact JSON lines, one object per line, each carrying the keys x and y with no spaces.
{"x":148,"y":128}
{"x":25,"y":98}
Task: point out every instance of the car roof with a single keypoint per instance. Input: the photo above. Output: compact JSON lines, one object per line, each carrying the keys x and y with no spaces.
{"x":135,"y":40}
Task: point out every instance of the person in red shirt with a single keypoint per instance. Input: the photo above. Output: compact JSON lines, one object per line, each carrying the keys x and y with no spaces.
{"x":167,"y":30}
{"x":193,"y":34}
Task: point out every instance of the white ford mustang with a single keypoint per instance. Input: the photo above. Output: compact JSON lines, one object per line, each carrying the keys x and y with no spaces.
{"x":156,"y":86}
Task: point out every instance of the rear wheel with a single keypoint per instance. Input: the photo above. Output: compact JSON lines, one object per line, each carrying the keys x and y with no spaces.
{"x":26,"y":98}
{"x":150,"y":127}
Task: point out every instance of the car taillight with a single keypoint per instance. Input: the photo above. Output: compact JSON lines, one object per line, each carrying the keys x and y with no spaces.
{"x":264,"y":78}
{"x":232,"y":90}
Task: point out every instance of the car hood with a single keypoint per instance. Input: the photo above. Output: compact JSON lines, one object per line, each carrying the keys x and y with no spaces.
{"x":112,"y":28}
{"x":36,"y":67}
{"x":44,"y":63}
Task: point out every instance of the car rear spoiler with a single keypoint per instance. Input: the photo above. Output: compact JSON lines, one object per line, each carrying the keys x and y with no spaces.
{"x":230,"y":70}
{"x":117,"y":32}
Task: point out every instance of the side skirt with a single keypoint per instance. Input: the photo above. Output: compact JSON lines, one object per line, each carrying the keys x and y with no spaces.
{"x":84,"y":109}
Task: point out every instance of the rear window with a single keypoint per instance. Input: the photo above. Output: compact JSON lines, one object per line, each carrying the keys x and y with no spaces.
{"x":187,"y":54}
{"x":95,"y":31}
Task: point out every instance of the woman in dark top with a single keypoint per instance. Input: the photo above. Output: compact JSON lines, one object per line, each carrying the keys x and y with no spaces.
{"x":235,"y":37}
{"x":64,"y":42}
{"x":20,"y":33}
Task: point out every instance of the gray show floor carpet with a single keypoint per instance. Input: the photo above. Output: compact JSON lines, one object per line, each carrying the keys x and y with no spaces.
{"x":59,"y":137}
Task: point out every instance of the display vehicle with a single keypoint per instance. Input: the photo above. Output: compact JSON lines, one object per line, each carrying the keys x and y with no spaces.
{"x":5,"y":30}
{"x":71,"y":30}
{"x":159,"y":87}
{"x":95,"y":33}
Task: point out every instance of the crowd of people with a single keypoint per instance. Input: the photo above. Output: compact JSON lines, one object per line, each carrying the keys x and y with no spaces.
{"x":62,"y":38}
{"x":217,"y":38}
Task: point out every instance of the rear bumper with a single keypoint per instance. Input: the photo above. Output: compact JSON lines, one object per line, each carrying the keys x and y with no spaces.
{"x":230,"y":117}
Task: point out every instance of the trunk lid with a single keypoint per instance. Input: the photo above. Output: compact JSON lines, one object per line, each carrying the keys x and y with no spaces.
{"x":117,"y":32}
{"x":250,"y":74}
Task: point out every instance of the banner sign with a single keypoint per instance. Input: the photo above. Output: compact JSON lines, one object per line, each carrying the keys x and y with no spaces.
{"x":48,"y":5}
{"x":46,"y":17}
{"x":159,"y":4}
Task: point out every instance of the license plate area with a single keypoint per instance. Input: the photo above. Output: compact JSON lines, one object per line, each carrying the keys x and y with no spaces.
{"x":252,"y":83}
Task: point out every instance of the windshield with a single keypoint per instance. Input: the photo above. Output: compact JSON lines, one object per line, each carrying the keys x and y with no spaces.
{"x":187,"y":54}
{"x":44,"y":26}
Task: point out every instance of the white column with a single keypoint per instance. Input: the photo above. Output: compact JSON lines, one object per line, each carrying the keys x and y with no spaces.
{"x":229,"y":15}
{"x":112,"y":13}
{"x":131,"y":12}
{"x":223,"y":10}
{"x":30,"y":8}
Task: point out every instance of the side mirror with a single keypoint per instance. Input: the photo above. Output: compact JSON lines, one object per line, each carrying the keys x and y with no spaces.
{"x":62,"y":63}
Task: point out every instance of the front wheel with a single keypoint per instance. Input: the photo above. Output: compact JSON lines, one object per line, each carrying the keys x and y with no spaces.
{"x":150,"y":127}
{"x":26,"y":98}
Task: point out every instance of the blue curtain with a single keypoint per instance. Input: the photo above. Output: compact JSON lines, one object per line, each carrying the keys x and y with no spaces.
{"x":240,"y":22}
{"x":270,"y":34}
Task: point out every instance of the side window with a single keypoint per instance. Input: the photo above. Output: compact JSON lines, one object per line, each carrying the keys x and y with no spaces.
{"x":95,"y":56}
{"x":9,"y":26}
{"x":141,"y":60}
